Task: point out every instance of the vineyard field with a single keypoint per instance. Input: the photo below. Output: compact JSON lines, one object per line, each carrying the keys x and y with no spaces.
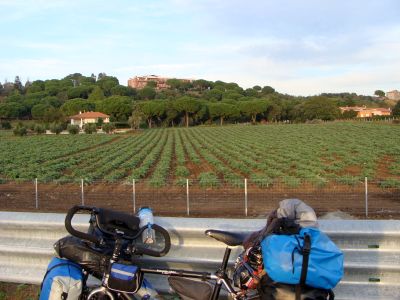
{"x":294,"y":154}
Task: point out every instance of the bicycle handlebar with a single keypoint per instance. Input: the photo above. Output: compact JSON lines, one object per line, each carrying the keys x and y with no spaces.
{"x":71,"y":212}
{"x":139,"y":250}
{"x":155,"y":253}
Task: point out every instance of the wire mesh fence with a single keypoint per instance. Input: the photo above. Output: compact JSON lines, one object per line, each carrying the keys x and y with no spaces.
{"x":186,"y":197}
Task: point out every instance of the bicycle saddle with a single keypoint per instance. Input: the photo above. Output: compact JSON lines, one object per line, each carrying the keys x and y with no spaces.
{"x":228,"y":238}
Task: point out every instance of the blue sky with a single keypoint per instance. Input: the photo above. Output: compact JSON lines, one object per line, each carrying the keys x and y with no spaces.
{"x":300,"y":47}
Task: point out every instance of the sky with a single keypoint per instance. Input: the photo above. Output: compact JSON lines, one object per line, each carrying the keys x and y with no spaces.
{"x":299,"y":47}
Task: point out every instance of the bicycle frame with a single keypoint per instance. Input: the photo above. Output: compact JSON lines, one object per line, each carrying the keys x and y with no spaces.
{"x":220,"y":277}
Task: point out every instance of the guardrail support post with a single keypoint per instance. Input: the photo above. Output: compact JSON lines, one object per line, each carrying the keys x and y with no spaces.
{"x":82,"y":194}
{"x":134,"y":196}
{"x":187,"y":198}
{"x":245,"y":196}
{"x":366,"y":197}
{"x":36,"y":194}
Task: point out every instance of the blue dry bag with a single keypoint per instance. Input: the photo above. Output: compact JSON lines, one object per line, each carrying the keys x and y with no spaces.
{"x":283,"y":259}
{"x":63,"y":280}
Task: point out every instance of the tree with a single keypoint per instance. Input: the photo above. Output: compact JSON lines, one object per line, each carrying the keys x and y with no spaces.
{"x":74,"y":106}
{"x":54,"y":115}
{"x":257,"y":88}
{"x":223,"y":111}
{"x":213,"y":94}
{"x":39,"y":110}
{"x":81,"y":91}
{"x":171,"y":114}
{"x":121,"y":90}
{"x":187,"y":106}
{"x":136,"y":118}
{"x":118,"y":107}
{"x":379,"y":93}
{"x":174,"y":83}
{"x":151,"y":110}
{"x":96,"y":94}
{"x":396,"y":109}
{"x":320,"y":107}
{"x":147,"y":93}
{"x":202,"y":84}
{"x":267,"y":90}
{"x":107,"y":83}
{"x":101,"y":76}
{"x":251,"y":92}
{"x":11,"y":110}
{"x":349,"y":114}
{"x":253,"y":108}
{"x":53,"y":101}
{"x":18,"y":84}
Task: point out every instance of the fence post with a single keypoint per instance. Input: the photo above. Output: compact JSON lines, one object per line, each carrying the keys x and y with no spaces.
{"x":134,"y":196}
{"x":36,"y":194}
{"x":245,"y":196}
{"x":187,"y":198}
{"x":82,"y":194}
{"x":366,"y":197}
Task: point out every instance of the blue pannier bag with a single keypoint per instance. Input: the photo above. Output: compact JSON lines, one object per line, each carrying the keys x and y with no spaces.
{"x":63,"y":280}
{"x":285,"y":255}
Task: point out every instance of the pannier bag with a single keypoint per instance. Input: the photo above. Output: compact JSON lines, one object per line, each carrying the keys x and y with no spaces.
{"x":93,"y":261}
{"x":287,"y":259}
{"x":123,"y":278}
{"x":190,"y":289}
{"x":63,"y":280}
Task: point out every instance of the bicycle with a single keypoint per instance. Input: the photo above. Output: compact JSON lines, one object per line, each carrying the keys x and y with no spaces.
{"x":109,"y":249}
{"x":114,"y":237}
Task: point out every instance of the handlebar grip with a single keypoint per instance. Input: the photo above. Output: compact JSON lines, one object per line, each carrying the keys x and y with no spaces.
{"x":71,"y":212}
{"x":167,"y":242}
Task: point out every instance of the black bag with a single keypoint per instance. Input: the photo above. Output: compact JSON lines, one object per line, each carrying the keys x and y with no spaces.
{"x":124,"y":278}
{"x":270,"y":290}
{"x":189,"y":289}
{"x":80,"y":252}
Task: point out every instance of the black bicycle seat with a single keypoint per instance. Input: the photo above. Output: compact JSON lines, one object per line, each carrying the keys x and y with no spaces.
{"x":228,"y":238}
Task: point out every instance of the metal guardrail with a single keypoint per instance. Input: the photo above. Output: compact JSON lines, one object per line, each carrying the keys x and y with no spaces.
{"x":372,"y":249}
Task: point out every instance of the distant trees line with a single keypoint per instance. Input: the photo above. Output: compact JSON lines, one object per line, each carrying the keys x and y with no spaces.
{"x":184,"y":103}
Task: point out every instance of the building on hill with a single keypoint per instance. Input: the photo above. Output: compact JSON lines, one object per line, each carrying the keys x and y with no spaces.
{"x":139,"y":82}
{"x":364,"y":112}
{"x":89,"y":117}
{"x":393,"y":95}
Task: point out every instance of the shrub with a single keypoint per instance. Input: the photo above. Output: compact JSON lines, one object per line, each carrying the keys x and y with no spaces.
{"x":208,"y":179}
{"x":56,"y":128}
{"x":108,"y":127}
{"x":181,"y":171}
{"x":5,"y":125}
{"x":261,"y":180}
{"x":39,"y":129}
{"x":180,"y":182}
{"x":390,"y":183}
{"x":20,"y":130}
{"x":73,"y":129}
{"x":90,"y":128}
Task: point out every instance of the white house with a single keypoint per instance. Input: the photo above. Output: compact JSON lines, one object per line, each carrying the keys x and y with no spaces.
{"x":89,"y":117}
